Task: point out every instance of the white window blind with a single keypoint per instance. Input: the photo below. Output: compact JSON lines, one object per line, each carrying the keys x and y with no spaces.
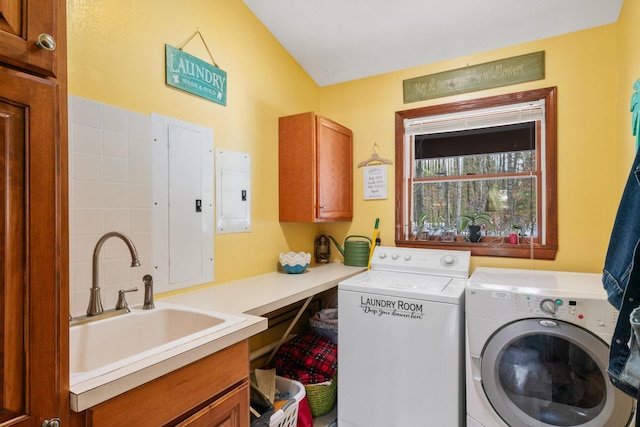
{"x":491,"y":117}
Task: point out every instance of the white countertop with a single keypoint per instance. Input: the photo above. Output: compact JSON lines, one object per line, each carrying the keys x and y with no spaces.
{"x":250,"y":298}
{"x":259,"y":295}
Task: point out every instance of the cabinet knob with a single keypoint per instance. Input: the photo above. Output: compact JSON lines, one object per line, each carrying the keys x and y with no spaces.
{"x":323,"y":207}
{"x":46,"y":42}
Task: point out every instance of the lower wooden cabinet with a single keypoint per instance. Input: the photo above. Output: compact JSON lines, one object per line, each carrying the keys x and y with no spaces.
{"x":228,"y":411}
{"x":212,"y":392}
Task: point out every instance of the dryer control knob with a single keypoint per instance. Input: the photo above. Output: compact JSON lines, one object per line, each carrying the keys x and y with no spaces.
{"x":548,"y":306}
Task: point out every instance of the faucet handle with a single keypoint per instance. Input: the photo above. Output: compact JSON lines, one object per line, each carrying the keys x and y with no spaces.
{"x":122,"y":302}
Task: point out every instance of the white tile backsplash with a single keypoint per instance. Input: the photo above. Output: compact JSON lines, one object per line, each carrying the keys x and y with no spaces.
{"x":116,"y":144}
{"x":139,"y":147}
{"x":115,"y":271}
{"x":139,"y":172}
{"x":109,"y":190}
{"x":87,"y":194}
{"x":139,"y":196}
{"x":86,"y":139}
{"x":84,"y":246}
{"x":117,"y":219}
{"x":115,"y":119}
{"x":87,"y":221}
{"x":139,"y":125}
{"x":139,"y":220}
{"x":116,"y":169}
{"x":86,"y":167}
{"x":87,"y":112}
{"x":116,"y":195}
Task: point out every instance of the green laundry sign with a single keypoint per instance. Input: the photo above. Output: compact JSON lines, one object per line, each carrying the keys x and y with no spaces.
{"x":193,"y":75}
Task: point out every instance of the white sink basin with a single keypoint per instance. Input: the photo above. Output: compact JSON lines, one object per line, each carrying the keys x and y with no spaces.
{"x":108,"y":344}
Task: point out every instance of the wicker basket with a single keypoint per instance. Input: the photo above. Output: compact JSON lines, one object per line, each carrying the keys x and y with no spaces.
{"x":322,"y":397}
{"x":326,"y":324}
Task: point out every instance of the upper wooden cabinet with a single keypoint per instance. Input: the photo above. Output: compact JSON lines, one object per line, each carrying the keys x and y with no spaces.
{"x":315,"y":169}
{"x":34,"y":262}
{"x":22,"y":23}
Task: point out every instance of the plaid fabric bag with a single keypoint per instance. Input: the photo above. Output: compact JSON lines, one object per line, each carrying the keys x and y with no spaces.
{"x":308,"y":358}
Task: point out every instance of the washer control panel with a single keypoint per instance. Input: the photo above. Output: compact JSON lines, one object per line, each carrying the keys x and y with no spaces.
{"x":595,"y":313}
{"x":437,"y":262}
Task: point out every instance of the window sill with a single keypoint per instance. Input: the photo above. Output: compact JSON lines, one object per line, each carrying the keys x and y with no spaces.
{"x":490,"y":249}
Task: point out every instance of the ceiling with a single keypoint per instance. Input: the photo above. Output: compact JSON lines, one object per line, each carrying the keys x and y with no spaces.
{"x":341,"y":40}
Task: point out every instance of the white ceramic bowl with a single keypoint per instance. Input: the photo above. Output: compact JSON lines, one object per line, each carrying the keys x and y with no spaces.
{"x":295,"y":262}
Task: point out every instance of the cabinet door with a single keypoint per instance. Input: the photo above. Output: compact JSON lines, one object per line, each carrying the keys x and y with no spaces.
{"x":229,"y":411}
{"x":315,"y":178}
{"x":172,"y":398}
{"x":334,"y":181}
{"x":21,"y":23}
{"x":34,"y":369}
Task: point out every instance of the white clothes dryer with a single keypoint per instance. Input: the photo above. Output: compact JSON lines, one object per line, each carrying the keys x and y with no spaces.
{"x":537,"y":351}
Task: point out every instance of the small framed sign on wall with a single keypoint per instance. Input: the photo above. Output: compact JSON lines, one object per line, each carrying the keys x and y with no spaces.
{"x":375,"y":182}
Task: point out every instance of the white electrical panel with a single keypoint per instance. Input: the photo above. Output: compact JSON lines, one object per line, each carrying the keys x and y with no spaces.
{"x":182,"y":203}
{"x":233,"y":191}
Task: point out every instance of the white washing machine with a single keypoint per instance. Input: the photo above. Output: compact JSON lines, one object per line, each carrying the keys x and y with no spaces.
{"x":537,"y":351}
{"x":401,"y":340}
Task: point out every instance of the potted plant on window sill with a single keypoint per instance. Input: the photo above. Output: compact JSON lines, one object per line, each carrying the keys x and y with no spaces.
{"x":421,"y":230}
{"x":474,"y":223}
{"x":514,"y":234}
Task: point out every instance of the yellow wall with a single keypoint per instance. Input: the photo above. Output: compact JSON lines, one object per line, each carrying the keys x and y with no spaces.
{"x":583,"y":67}
{"x":628,"y":72}
{"x":116,"y":56}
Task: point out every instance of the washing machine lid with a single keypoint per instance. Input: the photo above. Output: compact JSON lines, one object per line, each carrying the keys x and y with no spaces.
{"x":552,"y":283}
{"x":407,"y":285}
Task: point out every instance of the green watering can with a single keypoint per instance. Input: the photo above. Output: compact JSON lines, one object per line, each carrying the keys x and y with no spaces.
{"x":355,"y":253}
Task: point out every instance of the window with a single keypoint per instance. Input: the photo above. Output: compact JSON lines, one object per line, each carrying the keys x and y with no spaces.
{"x":491,"y":159}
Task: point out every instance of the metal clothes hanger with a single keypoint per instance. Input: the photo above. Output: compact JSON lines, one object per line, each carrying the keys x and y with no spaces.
{"x":375,"y":158}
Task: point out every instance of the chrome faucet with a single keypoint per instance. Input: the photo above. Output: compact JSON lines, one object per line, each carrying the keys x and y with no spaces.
{"x":95,"y":304}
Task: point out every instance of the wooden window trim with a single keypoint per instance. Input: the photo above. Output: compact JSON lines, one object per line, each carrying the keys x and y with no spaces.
{"x":488,"y":246}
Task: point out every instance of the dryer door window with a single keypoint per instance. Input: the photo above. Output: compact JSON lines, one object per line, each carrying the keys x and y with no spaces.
{"x":551,"y":373}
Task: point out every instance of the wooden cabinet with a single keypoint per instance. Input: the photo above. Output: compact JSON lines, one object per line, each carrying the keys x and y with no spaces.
{"x":224,"y":412}
{"x":22,"y":23}
{"x":213,"y":391}
{"x":315,"y":157}
{"x":34,"y":296}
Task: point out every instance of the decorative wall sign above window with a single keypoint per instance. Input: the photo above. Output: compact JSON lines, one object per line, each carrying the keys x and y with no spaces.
{"x":503,"y":72}
{"x":193,"y":75}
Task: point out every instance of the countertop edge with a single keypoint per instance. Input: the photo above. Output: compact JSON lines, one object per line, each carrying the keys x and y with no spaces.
{"x":84,"y":396}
